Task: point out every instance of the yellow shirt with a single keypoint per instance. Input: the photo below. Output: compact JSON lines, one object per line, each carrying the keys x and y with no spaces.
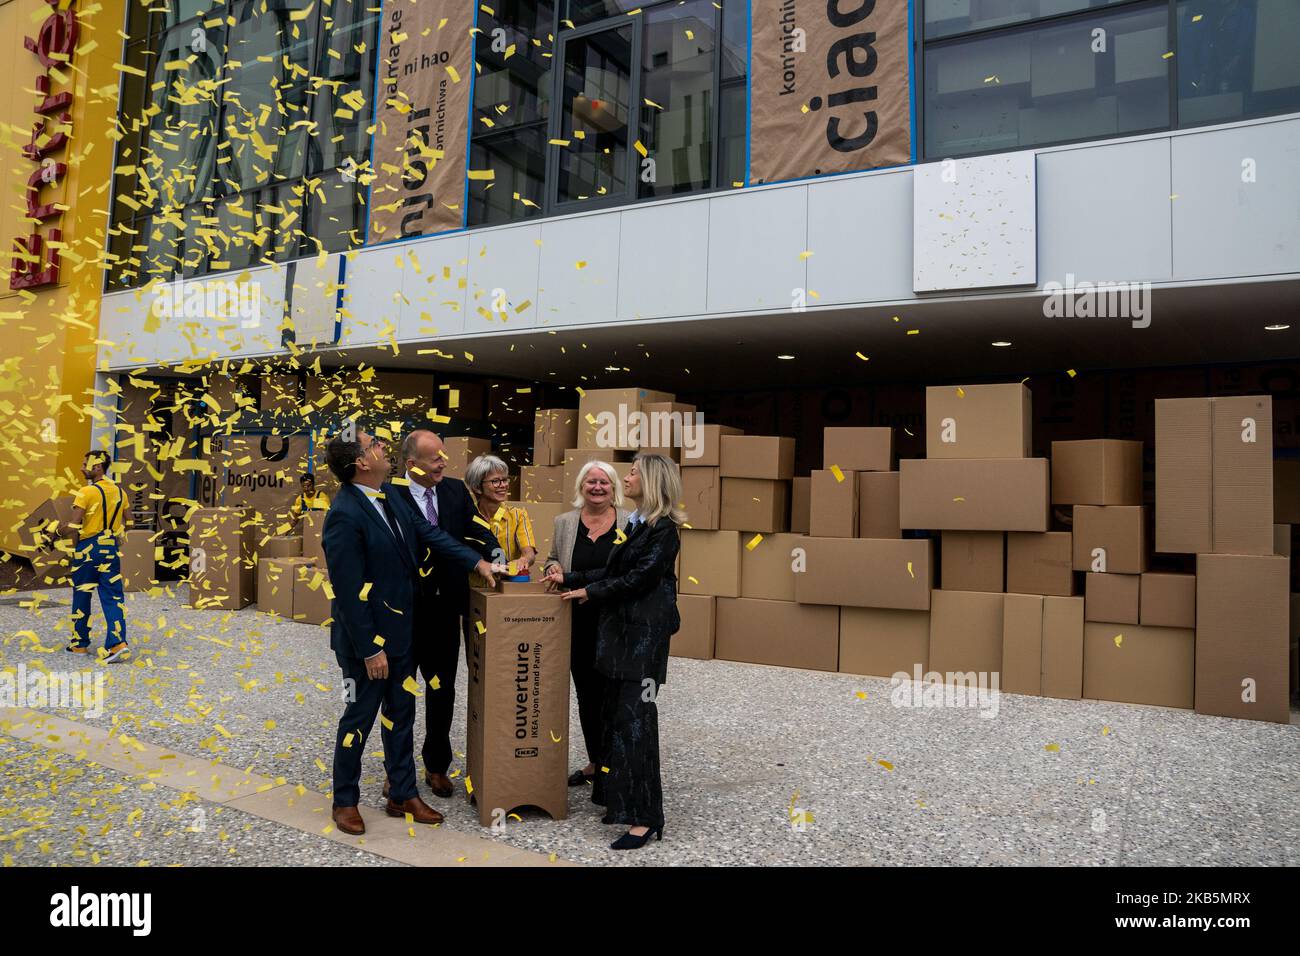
{"x":513,"y":530}
{"x":92,"y":506}
{"x":319,"y":502}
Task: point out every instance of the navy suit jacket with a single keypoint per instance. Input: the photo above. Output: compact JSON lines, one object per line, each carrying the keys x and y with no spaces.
{"x":456,"y":511}
{"x":360,"y":549}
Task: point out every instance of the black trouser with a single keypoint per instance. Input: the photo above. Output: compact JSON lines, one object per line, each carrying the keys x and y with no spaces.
{"x":589,"y":686}
{"x":437,"y":638}
{"x":631,"y":790}
{"x":365,"y":698}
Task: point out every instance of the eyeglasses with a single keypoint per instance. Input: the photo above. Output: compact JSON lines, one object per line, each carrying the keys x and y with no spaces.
{"x":497,"y":482}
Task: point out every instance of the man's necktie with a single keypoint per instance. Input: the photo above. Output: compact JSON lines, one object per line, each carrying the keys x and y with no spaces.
{"x":430,"y":511}
{"x":392,"y":520}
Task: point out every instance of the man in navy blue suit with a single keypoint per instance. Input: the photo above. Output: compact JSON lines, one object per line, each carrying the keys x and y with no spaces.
{"x":372,"y":539}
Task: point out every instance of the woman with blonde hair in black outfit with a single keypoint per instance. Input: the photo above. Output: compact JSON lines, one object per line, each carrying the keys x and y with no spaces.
{"x":637,"y":596}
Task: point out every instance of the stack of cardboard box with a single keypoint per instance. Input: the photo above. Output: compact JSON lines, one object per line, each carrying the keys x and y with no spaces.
{"x":222,"y":562}
{"x":41,"y":542}
{"x":1214,"y":499}
{"x":310,"y":597}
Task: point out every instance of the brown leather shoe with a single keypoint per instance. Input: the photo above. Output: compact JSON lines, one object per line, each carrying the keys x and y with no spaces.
{"x":420,"y":811}
{"x":348,"y":819}
{"x":440,"y":783}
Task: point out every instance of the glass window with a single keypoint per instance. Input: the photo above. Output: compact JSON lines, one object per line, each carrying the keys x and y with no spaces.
{"x":335,"y":214}
{"x":518,"y":158}
{"x":1090,"y":77}
{"x":345,"y":77}
{"x":948,"y":17}
{"x":269,"y":59}
{"x":512,"y":85}
{"x":677,"y":62}
{"x":1237,"y":58}
{"x":597,"y":105}
{"x":589,"y":11}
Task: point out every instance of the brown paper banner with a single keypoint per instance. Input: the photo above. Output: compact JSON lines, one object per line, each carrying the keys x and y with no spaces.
{"x":426,"y":66}
{"x":830,"y":87}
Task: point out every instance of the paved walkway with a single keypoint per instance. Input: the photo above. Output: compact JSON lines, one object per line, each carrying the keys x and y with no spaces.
{"x":252,"y":700}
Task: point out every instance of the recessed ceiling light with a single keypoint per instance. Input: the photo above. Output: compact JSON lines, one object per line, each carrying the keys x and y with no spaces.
{"x":1001,"y":344}
{"x":1276,"y":328}
{"x":785,"y":357}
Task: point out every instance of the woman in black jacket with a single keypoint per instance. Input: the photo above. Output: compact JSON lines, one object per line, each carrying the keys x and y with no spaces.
{"x":637,"y":596}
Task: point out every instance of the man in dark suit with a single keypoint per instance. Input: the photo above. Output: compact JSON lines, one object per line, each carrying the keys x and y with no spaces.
{"x":371,"y":540}
{"x":442,"y":598}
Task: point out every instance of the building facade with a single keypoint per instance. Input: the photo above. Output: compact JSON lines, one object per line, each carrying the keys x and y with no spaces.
{"x":716,"y":198}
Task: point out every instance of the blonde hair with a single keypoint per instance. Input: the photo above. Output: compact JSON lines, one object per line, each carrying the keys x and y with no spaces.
{"x":661,"y":488}
{"x":610,"y":473}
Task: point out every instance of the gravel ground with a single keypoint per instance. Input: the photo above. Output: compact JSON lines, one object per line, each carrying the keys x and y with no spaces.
{"x":57,"y":810}
{"x":1043,"y":782}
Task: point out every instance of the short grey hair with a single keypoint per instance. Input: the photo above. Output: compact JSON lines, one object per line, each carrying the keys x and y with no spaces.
{"x":608,"y":469}
{"x":480,"y":468}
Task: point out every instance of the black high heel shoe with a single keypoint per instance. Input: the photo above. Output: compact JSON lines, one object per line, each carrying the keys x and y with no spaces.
{"x":629,"y":842}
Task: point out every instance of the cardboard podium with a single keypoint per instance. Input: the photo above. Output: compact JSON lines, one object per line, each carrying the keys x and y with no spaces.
{"x":518,"y":719}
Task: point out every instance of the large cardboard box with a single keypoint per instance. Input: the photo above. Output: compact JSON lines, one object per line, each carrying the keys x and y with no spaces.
{"x":965,"y":632}
{"x":1022,"y":644}
{"x":554,"y":430}
{"x":878,"y":505}
{"x":978,"y":421}
{"x":670,"y":430}
{"x":275,"y":584}
{"x":543,"y":483}
{"x":1167,"y":600}
{"x":1042,"y":645}
{"x":576,"y":458}
{"x":972,"y":560}
{"x":1184,"y":483}
{"x":833,"y":511}
{"x":1242,"y":636}
{"x":313,"y":525}
{"x":541,"y":514}
{"x":801,"y":505}
{"x":767,"y":568}
{"x":613,"y":408}
{"x":755,"y":504}
{"x":1111,"y":539}
{"x":867,"y":572}
{"x":1282,"y":540}
{"x":702,"y":497}
{"x":517,"y":727}
{"x":996,"y":494}
{"x":1295,"y":642}
{"x":460,"y":451}
{"x":137,"y":549}
{"x":779,"y":633}
{"x":1286,"y":490}
{"x":1214,"y":475}
{"x":707,"y":448}
{"x":1242,"y":470}
{"x":1039,"y":563}
{"x":222,"y":573}
{"x":858,"y":449}
{"x":280,"y":546}
{"x":312,"y":595}
{"x":40,"y":529}
{"x":1139,"y":665}
{"x":1063,"y":647}
{"x":1114,"y":598}
{"x":695,"y":636}
{"x":1097,"y":472}
{"x":883,"y":641}
{"x":710,"y":563}
{"x":757,"y":456}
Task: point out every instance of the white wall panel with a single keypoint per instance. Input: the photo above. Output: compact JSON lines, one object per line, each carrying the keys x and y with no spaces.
{"x":756,"y":246}
{"x":504,"y":263}
{"x":663,"y":260}
{"x":578,"y":284}
{"x":859,"y":233}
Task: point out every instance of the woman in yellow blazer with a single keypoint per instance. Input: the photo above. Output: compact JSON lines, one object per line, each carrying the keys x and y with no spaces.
{"x":488,"y":479}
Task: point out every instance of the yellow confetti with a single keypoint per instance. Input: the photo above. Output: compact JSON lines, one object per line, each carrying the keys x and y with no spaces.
{"x":886,"y":764}
{"x":365,"y":591}
{"x":640,"y":148}
{"x":1119,"y":640}
{"x":410,"y":686}
{"x":347,"y":739}
{"x":750,"y":545}
{"x":1053,"y":748}
{"x":910,"y":571}
{"x":1105,"y":731}
{"x":839,"y":475}
{"x":861,"y":695}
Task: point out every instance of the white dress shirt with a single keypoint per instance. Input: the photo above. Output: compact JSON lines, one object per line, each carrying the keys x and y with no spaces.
{"x":377,"y":499}
{"x":420,"y":493}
